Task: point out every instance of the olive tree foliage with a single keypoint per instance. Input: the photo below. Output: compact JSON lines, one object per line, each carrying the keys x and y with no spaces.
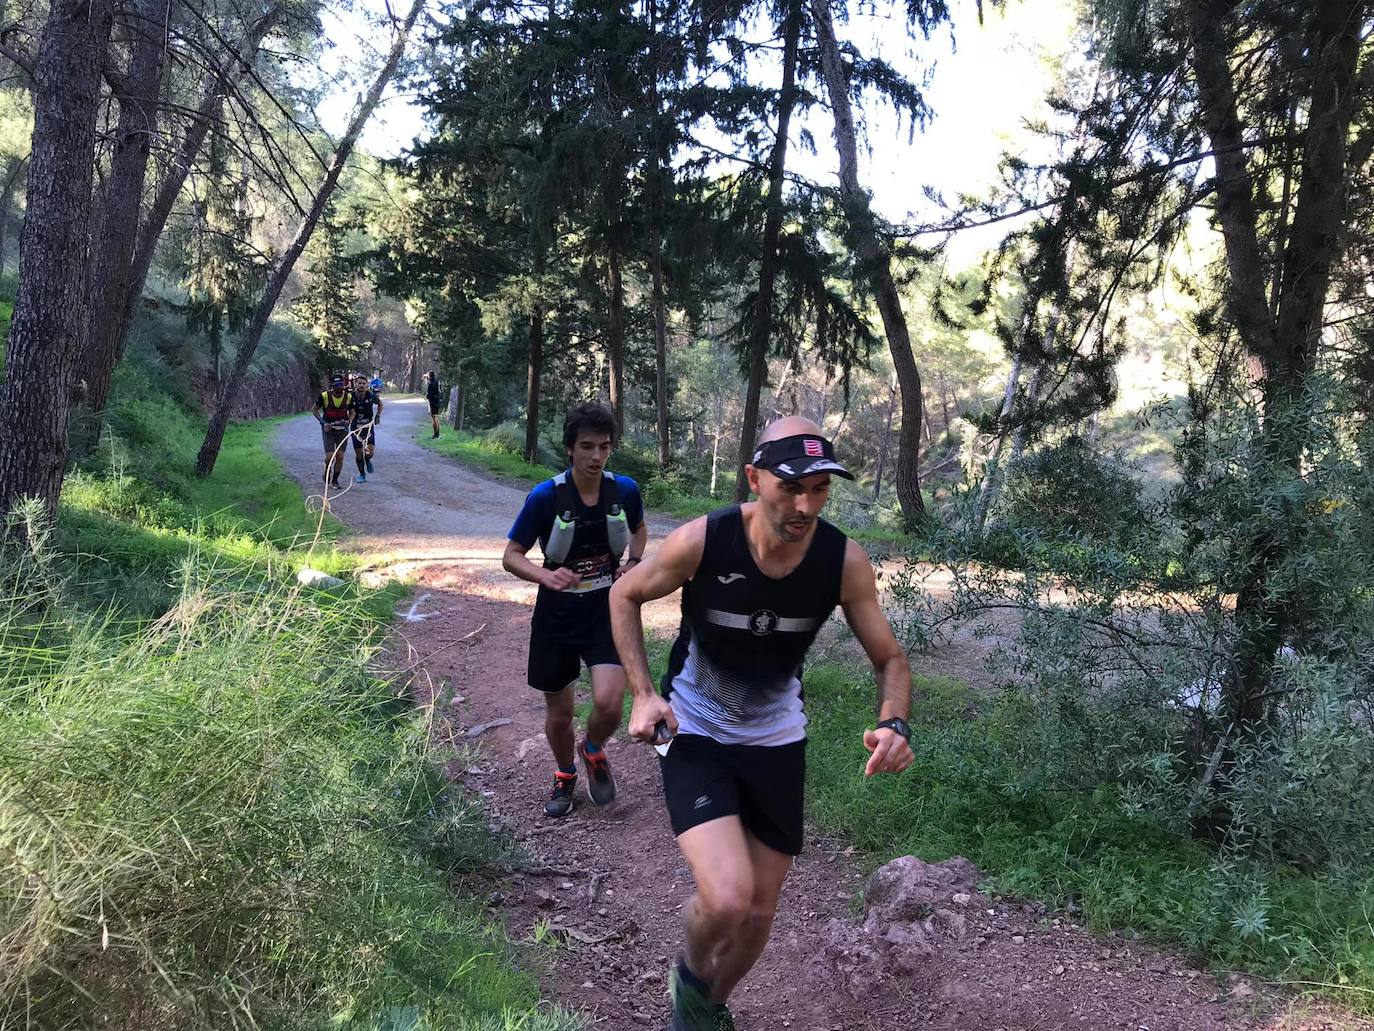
{"x":1208,"y":651}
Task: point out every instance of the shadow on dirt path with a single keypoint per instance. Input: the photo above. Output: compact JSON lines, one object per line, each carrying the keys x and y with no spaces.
{"x":608,"y":885}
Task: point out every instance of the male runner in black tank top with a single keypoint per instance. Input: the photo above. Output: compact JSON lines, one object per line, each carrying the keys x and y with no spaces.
{"x":757,"y":580}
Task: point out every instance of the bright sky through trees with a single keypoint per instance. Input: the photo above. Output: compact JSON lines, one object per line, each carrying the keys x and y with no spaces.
{"x":987,"y":83}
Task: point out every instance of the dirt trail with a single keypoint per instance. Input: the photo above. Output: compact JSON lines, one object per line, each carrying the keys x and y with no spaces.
{"x":609,"y":884}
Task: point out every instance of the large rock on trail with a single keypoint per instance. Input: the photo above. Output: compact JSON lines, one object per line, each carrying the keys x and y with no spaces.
{"x":910,"y":906}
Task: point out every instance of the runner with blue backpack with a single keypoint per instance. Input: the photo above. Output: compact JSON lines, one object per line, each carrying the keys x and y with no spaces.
{"x":584,"y":519}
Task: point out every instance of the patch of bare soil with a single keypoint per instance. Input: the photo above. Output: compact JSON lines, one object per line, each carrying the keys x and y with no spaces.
{"x":608,"y":884}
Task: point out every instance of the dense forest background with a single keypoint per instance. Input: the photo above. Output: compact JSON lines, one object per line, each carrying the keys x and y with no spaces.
{"x":1113,"y":393}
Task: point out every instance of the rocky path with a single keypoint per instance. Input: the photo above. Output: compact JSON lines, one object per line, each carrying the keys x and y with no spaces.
{"x":608,"y":885}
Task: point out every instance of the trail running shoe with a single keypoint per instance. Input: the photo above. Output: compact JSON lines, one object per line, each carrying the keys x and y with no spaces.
{"x":725,"y":1020}
{"x":369,"y":465}
{"x":692,"y":1009}
{"x":600,"y":783}
{"x":560,"y":803}
{"x":360,"y":478}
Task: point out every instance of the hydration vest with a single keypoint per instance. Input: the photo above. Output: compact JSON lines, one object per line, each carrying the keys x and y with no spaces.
{"x":565,"y":518}
{"x":337,"y":411}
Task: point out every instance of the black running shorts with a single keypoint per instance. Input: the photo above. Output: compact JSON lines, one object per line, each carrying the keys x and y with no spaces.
{"x":362,"y":434}
{"x":334,"y":438}
{"x":761,"y":784}
{"x":554,"y":665}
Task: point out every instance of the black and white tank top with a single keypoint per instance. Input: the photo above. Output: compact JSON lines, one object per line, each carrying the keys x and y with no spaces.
{"x":734,"y":671}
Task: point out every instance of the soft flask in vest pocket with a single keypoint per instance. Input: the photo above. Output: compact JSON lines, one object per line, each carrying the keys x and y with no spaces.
{"x":565,"y":520}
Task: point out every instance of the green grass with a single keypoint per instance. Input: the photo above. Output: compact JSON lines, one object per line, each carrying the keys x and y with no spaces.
{"x":217,"y":807}
{"x":134,"y":511}
{"x":478,"y":451}
{"x":968,"y":794}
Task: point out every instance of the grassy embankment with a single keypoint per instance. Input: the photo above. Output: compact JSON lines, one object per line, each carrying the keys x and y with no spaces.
{"x":972,"y":793}
{"x":975,"y":791}
{"x":216,"y":808}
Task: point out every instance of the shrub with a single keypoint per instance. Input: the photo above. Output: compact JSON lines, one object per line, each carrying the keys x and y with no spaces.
{"x":1070,"y":491}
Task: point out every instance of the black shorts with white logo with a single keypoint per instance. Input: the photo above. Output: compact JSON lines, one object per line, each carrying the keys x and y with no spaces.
{"x":763,"y":785}
{"x":553,"y":665}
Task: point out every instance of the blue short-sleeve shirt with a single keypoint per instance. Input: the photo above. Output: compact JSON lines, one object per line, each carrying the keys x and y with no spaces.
{"x":575,"y":617}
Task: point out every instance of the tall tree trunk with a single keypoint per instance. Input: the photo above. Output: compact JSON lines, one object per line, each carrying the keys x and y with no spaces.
{"x":1285,"y":345}
{"x":116,"y":222}
{"x":665,"y":453}
{"x":533,"y":376}
{"x":658,"y":188}
{"x":762,"y":328}
{"x":219,"y":420}
{"x":885,"y":443}
{"x":7,"y":201}
{"x":978,"y":514}
{"x":615,"y":336}
{"x":876,"y":262}
{"x":46,"y":332}
{"x":110,"y":337}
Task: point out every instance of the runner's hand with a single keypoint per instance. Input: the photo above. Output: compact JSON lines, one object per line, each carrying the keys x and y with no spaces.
{"x":560,"y":579}
{"x":644,"y":716}
{"x":891,"y":753}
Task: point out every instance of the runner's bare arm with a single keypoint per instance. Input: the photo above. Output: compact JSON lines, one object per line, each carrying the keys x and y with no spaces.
{"x":673,"y":566}
{"x":859,"y":599}
{"x":513,"y":561}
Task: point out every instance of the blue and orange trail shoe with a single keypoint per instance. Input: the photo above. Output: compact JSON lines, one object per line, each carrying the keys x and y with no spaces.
{"x":360,"y":478}
{"x":692,"y":1008}
{"x":600,"y":783}
{"x":560,"y":803}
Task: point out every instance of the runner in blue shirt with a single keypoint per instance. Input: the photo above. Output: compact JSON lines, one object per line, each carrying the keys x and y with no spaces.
{"x":584,"y":520}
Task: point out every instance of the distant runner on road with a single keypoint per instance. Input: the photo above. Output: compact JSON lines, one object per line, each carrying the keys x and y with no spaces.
{"x":333,"y":410}
{"x":758,"y":580}
{"x":367,"y":416}
{"x":584,"y":519}
{"x":435,"y":398}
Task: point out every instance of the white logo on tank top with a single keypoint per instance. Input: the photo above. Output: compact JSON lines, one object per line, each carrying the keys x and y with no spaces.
{"x":727,"y":580}
{"x":763,"y":622}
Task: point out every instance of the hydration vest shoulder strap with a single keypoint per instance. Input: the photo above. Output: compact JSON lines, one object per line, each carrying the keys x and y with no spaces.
{"x":565,"y":517}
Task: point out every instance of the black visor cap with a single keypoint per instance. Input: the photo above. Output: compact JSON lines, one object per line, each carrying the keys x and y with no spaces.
{"x":799,"y":456}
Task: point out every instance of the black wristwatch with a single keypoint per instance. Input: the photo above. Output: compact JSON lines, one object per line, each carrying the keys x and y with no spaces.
{"x":899,"y":725}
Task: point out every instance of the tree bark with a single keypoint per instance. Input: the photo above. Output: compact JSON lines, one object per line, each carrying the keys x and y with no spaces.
{"x":884,"y":444}
{"x":615,"y":336}
{"x":110,"y":338}
{"x":6,"y":201}
{"x":665,"y":453}
{"x":876,"y":262}
{"x":1284,"y":345}
{"x":46,"y":332}
{"x":533,"y":376}
{"x":116,"y":222}
{"x":276,"y":280}
{"x":1235,"y":192}
{"x":978,"y":515}
{"x":658,"y":190}
{"x":762,"y":328}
